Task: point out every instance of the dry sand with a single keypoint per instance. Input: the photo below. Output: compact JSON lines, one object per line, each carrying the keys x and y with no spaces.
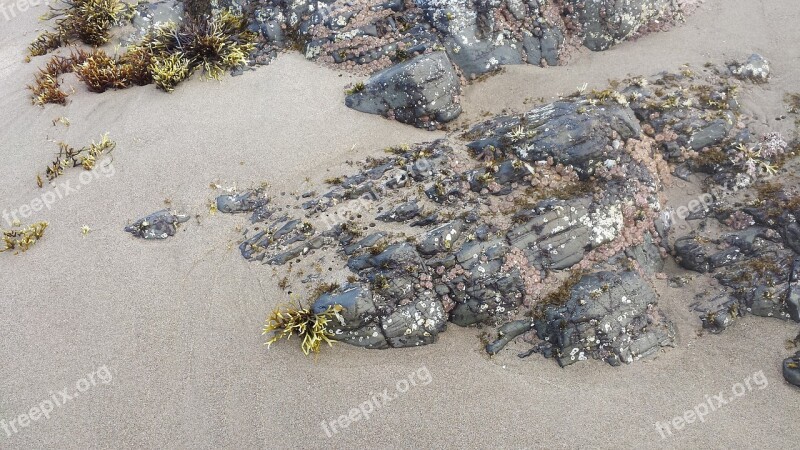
{"x":178,"y":322}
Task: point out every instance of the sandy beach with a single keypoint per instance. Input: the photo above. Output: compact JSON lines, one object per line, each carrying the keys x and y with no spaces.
{"x":177,"y":323}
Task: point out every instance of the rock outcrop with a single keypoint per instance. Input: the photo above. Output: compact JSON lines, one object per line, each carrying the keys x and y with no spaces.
{"x":550,"y":220}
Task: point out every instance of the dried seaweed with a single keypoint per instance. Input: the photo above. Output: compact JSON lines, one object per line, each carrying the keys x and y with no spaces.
{"x":23,"y":239}
{"x":85,"y":157}
{"x":288,"y":320}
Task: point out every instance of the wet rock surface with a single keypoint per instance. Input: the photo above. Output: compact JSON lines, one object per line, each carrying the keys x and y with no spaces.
{"x":550,"y":225}
{"x":608,"y":316}
{"x":755,"y":69}
{"x":478,"y":36}
{"x":466,"y":39}
{"x":604,"y":23}
{"x":422,"y":91}
{"x":791,"y":369}
{"x":159,"y":225}
{"x":756,"y":265}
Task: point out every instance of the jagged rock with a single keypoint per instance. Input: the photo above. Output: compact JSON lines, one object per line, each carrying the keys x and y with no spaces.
{"x":791,"y":369}
{"x":415,"y":324}
{"x":360,"y":326}
{"x":401,"y":213}
{"x":476,"y":57}
{"x":605,"y":22}
{"x":574,"y":133}
{"x":648,"y":255}
{"x":719,"y":313}
{"x":393,"y":257}
{"x":301,"y":249}
{"x":441,"y":238}
{"x":555,"y":238}
{"x":366,"y":242}
{"x":423,"y":92}
{"x":755,"y":69}
{"x":793,"y":293}
{"x":560,"y":233}
{"x":573,"y":184}
{"x":159,"y":225}
{"x":692,"y":254}
{"x":607,"y":316}
{"x":387,"y":325}
{"x":484,"y":292}
{"x":478,"y":36}
{"x":542,"y":46}
{"x":507,"y":333}
{"x":755,"y":268}
{"x":249,"y":201}
{"x":281,"y":239}
{"x":710,"y":134}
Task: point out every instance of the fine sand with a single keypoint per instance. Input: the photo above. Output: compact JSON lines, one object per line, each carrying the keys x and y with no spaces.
{"x":178,"y":322}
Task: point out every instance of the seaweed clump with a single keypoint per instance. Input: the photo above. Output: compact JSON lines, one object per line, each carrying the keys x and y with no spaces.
{"x":311,"y":328}
{"x":85,"y":157}
{"x":165,"y":56}
{"x":87,"y":21}
{"x":22,"y":239}
{"x":47,"y":87}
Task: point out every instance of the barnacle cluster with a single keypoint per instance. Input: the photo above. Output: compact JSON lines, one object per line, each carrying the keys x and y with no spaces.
{"x":85,"y":157}
{"x":23,"y":238}
{"x":288,"y":320}
{"x":87,"y":21}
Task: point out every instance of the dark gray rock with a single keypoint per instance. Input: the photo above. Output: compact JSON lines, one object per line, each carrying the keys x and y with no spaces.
{"x":415,"y":324}
{"x":296,"y":251}
{"x":478,"y":36}
{"x":793,"y":292}
{"x":605,"y":22}
{"x":755,"y":69}
{"x":358,"y":309}
{"x":559,"y":234}
{"x":791,"y":369}
{"x":159,"y":225}
{"x":710,"y":134}
{"x":147,"y":16}
{"x":692,"y":253}
{"x":507,"y":333}
{"x":542,"y":46}
{"x":719,"y":313}
{"x":571,"y":132}
{"x":485,"y":292}
{"x":648,"y":255}
{"x":401,"y":213}
{"x":608,"y":316}
{"x":249,"y":201}
{"x":440,"y":239}
{"x":476,"y":57}
{"x":423,"y":92}
{"x":366,"y":242}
